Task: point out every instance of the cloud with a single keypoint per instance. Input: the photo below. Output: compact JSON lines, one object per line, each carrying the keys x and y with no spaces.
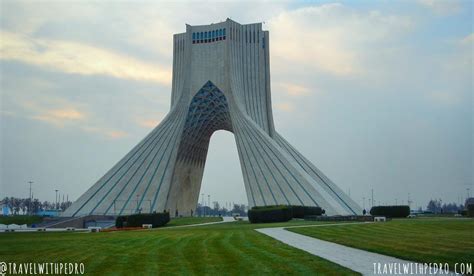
{"x":330,"y":38}
{"x":147,"y":119}
{"x":61,"y":116}
{"x":76,"y":119}
{"x":465,"y":53}
{"x":66,"y":114}
{"x":53,"y":110}
{"x":297,"y":43}
{"x":442,"y":7}
{"x":467,"y":40}
{"x":79,"y":58}
{"x":59,"y":112}
{"x":445,"y":97}
{"x":455,"y":68}
{"x":294,"y":90}
{"x":148,"y":123}
{"x":7,"y":113}
{"x":104,"y":132}
{"x":287,"y":95}
{"x":286,"y":107}
{"x":458,"y":62}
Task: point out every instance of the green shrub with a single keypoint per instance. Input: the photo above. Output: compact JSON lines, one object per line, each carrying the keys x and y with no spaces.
{"x":470,"y":210}
{"x":20,"y":219}
{"x":120,"y":221}
{"x":265,"y":214}
{"x":302,"y":211}
{"x":298,"y":211}
{"x":278,"y":213}
{"x":137,"y":220}
{"x":396,"y":211}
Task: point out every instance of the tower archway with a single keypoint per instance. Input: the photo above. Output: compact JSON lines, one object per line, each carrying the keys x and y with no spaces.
{"x":208,"y":112}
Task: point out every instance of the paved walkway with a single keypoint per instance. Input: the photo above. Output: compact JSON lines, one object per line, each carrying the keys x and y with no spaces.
{"x":358,"y":260}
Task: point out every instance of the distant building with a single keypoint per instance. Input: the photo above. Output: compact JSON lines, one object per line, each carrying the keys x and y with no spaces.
{"x":48,"y":213}
{"x":469,"y":201}
{"x":5,"y":210}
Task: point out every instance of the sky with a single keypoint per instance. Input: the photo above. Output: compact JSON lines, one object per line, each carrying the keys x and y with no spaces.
{"x":377,"y":94}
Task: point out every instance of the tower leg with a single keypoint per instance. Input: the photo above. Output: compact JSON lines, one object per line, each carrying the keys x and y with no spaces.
{"x":185,"y":187}
{"x":321,"y":182}
{"x":272,"y":177}
{"x":139,"y":180}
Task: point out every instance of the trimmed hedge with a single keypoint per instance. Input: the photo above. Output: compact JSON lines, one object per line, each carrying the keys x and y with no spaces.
{"x":462,"y":212}
{"x":120,"y":221}
{"x":396,"y":211}
{"x":265,"y":214}
{"x":302,"y":211}
{"x":280,"y":213}
{"x":137,"y":220}
{"x":470,"y":210}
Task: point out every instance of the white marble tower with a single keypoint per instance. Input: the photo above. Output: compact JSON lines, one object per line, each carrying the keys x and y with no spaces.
{"x":221,"y":81}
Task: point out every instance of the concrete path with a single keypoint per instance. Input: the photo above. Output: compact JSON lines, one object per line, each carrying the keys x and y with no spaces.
{"x":358,"y":260}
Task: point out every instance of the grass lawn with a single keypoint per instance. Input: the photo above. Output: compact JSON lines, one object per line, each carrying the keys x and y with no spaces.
{"x":20,"y":219}
{"x":192,"y":220}
{"x":441,"y":240}
{"x":228,"y":248}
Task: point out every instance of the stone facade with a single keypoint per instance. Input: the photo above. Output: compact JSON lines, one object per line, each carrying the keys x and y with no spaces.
{"x":221,"y":81}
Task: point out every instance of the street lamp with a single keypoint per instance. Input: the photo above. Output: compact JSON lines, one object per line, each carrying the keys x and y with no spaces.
{"x":138,"y":203}
{"x":29,"y":204}
{"x":56,"y":204}
{"x":372,"y":200}
{"x":202,"y":206}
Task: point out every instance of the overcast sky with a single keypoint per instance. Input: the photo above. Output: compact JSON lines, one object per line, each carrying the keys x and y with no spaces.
{"x":376,"y":94}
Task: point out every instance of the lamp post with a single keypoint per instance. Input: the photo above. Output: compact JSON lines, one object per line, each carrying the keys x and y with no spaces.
{"x":372,"y":201}
{"x":138,"y":203}
{"x":56,"y":204}
{"x":202,"y":206}
{"x":29,"y":204}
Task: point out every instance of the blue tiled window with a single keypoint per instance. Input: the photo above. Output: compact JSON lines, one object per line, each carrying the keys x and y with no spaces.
{"x":209,"y":36}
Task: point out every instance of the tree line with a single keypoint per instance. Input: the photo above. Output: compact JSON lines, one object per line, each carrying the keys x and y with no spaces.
{"x":217,"y":210}
{"x":436,"y":206}
{"x":28,"y":206}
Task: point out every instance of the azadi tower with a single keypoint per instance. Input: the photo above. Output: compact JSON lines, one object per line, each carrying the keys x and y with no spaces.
{"x":221,"y":81}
